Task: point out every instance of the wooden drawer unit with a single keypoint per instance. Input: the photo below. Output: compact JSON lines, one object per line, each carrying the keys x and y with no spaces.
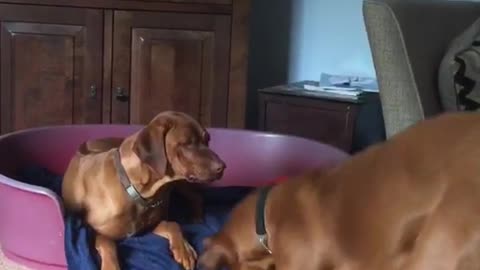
{"x":331,"y":121}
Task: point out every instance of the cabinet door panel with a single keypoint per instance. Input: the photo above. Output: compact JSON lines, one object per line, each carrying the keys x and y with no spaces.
{"x":171,"y":67}
{"x":184,"y":69}
{"x":50,"y":67}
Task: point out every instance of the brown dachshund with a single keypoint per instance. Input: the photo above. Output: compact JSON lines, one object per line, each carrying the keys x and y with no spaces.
{"x":410,"y":203}
{"x":122,"y":186}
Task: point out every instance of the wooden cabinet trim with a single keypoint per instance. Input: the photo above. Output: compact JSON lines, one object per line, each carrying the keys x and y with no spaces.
{"x":197,"y":7}
{"x":237,"y":95}
{"x":107,"y":66}
{"x":307,"y":102}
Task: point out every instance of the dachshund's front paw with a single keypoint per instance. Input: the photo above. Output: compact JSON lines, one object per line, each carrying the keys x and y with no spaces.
{"x":183,"y":252}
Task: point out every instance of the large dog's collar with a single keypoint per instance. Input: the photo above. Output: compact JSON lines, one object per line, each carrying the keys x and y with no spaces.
{"x":132,"y":192}
{"x":260,"y":227}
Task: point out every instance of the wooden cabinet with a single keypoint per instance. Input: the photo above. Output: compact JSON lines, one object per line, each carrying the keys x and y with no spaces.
{"x":350,"y":125}
{"x":50,"y":66}
{"x":315,"y":119}
{"x":71,"y":62}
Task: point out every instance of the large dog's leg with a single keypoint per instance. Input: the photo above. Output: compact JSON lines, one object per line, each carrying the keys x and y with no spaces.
{"x":107,"y":250}
{"x":183,"y":252}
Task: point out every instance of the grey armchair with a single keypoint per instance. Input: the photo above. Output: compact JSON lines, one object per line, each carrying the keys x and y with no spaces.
{"x":408,"y":39}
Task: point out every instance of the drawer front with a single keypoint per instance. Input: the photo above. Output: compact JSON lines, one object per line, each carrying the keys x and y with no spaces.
{"x":327,"y":122}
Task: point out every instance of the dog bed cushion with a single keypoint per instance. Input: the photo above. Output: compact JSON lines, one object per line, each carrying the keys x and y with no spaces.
{"x":147,"y":251}
{"x":459,"y":72}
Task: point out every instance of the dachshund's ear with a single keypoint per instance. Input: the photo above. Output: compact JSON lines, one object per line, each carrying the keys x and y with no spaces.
{"x":150,"y":148}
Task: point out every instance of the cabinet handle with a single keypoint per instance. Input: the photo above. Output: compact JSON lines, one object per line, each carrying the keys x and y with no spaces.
{"x":120,"y":94}
{"x":93,"y":91}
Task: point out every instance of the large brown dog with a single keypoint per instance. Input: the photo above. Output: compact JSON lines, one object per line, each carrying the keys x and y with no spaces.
{"x":122,"y":185}
{"x":410,"y":203}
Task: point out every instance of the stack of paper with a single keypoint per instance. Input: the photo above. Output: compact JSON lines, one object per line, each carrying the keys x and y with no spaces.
{"x":351,"y":87}
{"x":346,"y":82}
{"x":334,"y":90}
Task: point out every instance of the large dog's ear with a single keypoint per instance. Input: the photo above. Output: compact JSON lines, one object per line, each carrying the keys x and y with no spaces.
{"x":215,"y":255}
{"x":150,"y":147}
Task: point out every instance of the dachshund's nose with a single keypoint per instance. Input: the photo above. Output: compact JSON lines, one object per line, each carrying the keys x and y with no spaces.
{"x":218,"y":166}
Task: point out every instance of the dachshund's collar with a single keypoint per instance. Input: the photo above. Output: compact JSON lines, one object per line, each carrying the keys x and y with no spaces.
{"x":260,"y":227}
{"x":132,"y":192}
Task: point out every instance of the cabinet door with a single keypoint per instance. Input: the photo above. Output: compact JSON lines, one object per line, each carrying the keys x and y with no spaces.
{"x":51,"y":66}
{"x":170,"y":61}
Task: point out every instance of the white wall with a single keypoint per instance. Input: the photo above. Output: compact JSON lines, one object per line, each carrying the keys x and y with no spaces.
{"x":293,"y":40}
{"x":328,"y":36}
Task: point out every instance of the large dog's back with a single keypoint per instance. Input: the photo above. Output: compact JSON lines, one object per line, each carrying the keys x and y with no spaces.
{"x":409,"y":203}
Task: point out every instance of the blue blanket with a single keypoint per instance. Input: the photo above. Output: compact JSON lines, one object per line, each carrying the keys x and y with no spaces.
{"x":146,"y":251}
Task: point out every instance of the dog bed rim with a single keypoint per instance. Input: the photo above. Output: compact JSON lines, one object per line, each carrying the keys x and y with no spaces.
{"x":46,"y":192}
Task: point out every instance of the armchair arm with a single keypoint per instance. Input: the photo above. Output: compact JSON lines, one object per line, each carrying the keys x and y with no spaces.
{"x":408,"y":39}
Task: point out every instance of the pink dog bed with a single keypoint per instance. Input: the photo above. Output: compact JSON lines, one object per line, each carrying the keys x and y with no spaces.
{"x":31,"y":217}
